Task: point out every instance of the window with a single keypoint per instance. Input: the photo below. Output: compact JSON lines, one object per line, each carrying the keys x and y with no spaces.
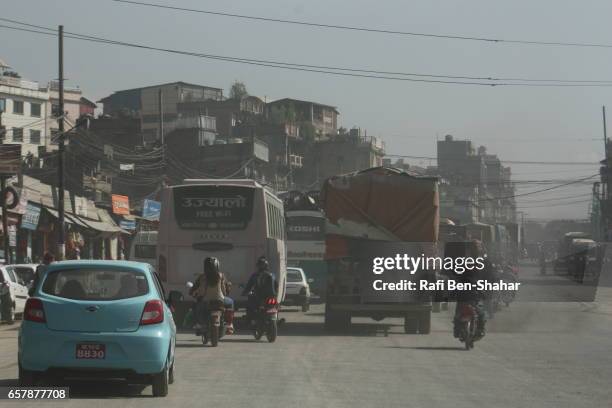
{"x":54,"y":136}
{"x":34,"y":136}
{"x":18,"y":107}
{"x":55,"y":110}
{"x":294,"y":275}
{"x":96,"y":284}
{"x":2,"y":104}
{"x":11,"y":274}
{"x":17,"y":134}
{"x":35,"y":109}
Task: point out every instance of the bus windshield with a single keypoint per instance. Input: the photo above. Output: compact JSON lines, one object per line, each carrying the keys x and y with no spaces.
{"x":212,"y":207}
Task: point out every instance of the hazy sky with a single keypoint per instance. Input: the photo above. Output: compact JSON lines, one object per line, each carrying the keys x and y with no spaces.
{"x":542,"y":124}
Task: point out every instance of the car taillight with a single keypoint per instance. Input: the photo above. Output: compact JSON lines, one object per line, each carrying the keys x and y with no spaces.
{"x":271,"y":301}
{"x":161,"y":268}
{"x":153,"y":313}
{"x":34,"y":311}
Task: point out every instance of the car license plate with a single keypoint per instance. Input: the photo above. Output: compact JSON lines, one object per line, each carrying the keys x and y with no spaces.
{"x":92,"y":351}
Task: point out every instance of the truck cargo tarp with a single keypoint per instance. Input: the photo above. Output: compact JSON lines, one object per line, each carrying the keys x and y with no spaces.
{"x":383,"y":204}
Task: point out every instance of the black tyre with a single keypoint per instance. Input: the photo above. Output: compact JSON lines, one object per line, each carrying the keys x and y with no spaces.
{"x":272,"y":331}
{"x":411,"y":324}
{"x":160,"y":382}
{"x":335,"y":321}
{"x":467,"y":330}
{"x":171,"y":373}
{"x":425,"y":323}
{"x":214,"y":336}
{"x":27,"y":378}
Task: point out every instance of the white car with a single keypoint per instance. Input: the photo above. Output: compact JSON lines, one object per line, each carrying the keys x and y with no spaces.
{"x":297,"y":289}
{"x":25,"y":272}
{"x":17,"y":291}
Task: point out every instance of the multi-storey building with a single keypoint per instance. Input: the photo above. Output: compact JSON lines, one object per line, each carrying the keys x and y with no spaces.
{"x":145,"y":103}
{"x":25,"y":112}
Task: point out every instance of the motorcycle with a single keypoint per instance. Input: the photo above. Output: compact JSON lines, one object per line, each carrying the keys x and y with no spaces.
{"x":266,"y":320}
{"x":212,"y":322}
{"x":509,"y":274}
{"x":468,"y":322}
{"x":214,"y":327}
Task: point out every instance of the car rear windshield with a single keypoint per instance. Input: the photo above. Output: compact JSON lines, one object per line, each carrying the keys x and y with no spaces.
{"x":96,"y":284}
{"x":26,"y":274}
{"x":294,"y":276}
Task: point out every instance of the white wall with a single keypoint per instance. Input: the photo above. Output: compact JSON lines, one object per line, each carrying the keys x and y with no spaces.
{"x":15,"y":90}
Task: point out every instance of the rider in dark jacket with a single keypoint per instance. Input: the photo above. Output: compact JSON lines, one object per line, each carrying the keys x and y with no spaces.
{"x":474,"y":297}
{"x":261,"y":286}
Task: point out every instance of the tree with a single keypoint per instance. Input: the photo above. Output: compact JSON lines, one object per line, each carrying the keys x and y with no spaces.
{"x":238,"y":90}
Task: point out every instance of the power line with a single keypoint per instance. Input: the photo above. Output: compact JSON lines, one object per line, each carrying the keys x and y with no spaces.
{"x":540,"y":191}
{"x":328,"y":70}
{"x":558,"y":163}
{"x":367,"y":29}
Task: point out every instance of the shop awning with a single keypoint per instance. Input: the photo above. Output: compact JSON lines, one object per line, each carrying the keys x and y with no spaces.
{"x":68,"y":218}
{"x":102,"y":226}
{"x":99,"y":226}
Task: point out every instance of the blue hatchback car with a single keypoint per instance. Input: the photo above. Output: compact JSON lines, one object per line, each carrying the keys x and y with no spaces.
{"x":106,"y":319}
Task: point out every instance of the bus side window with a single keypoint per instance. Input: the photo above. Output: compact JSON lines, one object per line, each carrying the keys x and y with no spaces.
{"x":269,"y":219}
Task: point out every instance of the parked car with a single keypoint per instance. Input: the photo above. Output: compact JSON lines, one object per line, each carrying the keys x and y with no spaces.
{"x":108,"y":319}
{"x":13,"y":288}
{"x":25,"y":272}
{"x":297,"y":289}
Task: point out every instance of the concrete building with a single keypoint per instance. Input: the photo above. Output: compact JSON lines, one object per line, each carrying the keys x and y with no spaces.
{"x":476,"y":187}
{"x":230,"y":114}
{"x":341,"y":155}
{"x":144,"y":103}
{"x":25,"y":116}
{"x":322,"y":118}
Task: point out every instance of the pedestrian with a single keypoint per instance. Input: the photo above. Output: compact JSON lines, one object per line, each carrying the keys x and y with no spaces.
{"x":48,"y":259}
{"x":6,"y":301}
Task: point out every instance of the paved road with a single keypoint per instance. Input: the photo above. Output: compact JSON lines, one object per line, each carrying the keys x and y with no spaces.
{"x":534,"y":355}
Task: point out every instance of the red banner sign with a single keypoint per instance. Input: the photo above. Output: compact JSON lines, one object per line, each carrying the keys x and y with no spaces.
{"x":121,"y":204}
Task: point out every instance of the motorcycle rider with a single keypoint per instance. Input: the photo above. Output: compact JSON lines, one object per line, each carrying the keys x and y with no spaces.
{"x":261,"y":286}
{"x":474,"y":297}
{"x":212,"y":287}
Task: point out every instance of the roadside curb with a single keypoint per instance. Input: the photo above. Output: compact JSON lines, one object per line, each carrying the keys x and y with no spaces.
{"x":8,"y":327}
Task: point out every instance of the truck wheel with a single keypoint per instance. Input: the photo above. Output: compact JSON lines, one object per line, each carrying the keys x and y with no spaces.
{"x":410,"y":324}
{"x":425,"y":323}
{"x":336,"y":320}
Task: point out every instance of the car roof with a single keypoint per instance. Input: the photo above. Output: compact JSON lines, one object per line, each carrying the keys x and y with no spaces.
{"x":93,"y":263}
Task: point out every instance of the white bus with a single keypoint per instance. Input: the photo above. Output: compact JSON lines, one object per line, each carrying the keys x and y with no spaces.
{"x":306,"y":246}
{"x":144,"y":247}
{"x":236,"y":221}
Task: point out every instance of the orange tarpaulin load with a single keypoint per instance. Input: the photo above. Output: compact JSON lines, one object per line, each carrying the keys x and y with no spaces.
{"x":382,"y":204}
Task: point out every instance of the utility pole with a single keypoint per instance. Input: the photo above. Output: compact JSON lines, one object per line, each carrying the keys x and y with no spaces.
{"x":161,"y":117}
{"x":61,"y":243}
{"x":5,"y":232}
{"x":6,"y":242}
{"x":605,"y":133}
